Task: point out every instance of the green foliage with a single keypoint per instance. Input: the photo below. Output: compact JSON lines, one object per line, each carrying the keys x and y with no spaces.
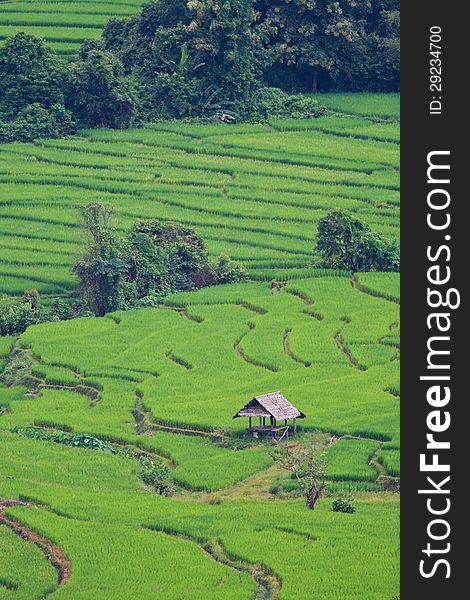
{"x":35,"y":121}
{"x":345,"y":242}
{"x":349,"y":45}
{"x":101,"y":268}
{"x":98,"y":93}
{"x":165,"y":257}
{"x":30,"y":73}
{"x":60,"y":310}
{"x":153,"y":260}
{"x":32,"y":80}
{"x":189,"y":58}
{"x":275,"y":103}
{"x":17,"y":369}
{"x":226,"y":270}
{"x":344,"y":504}
{"x":157,"y":475}
{"x":304,"y":36}
{"x":16,"y":314}
{"x":79,"y":440}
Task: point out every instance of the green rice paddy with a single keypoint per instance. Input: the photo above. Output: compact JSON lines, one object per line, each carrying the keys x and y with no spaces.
{"x":168,"y":380}
{"x":64,"y":24}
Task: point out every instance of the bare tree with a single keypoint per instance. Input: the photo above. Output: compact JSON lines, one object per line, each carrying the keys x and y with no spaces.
{"x":308,"y":464}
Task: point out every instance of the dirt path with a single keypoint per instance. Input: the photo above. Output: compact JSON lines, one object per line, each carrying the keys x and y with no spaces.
{"x":54,"y":554}
{"x":268,"y":585}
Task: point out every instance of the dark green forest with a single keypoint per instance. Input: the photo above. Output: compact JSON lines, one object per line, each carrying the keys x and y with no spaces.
{"x":243,"y":60}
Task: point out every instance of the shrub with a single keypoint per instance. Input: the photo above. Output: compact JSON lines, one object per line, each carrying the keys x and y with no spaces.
{"x":171,"y":96}
{"x":16,"y":314}
{"x":35,"y":121}
{"x":226,"y":270}
{"x":157,"y":475}
{"x":344,"y":242}
{"x":60,"y":310}
{"x":345,"y":505}
{"x":17,"y":369}
{"x":274,"y":103}
{"x":140,"y":269}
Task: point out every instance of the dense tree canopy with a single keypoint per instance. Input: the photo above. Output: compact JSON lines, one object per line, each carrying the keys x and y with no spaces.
{"x":350,"y":44}
{"x":143,"y":266}
{"x":201,"y":58}
{"x":305,"y":35}
{"x":98,"y":92}
{"x":344,"y":242}
{"x":32,"y":81}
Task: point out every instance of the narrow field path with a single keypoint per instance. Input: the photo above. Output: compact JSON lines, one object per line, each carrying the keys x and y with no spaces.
{"x":357,"y":285}
{"x":344,"y":350}
{"x":244,"y":356}
{"x":268,"y":585}
{"x":288,"y":349}
{"x":54,"y":554}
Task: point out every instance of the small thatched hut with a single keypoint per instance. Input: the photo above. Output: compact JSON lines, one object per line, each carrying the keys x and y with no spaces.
{"x":273,"y":406}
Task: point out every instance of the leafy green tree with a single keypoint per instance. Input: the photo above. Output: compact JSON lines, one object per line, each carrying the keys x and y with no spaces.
{"x":142,"y":267}
{"x":17,"y":314}
{"x":32,"y":80}
{"x":35,"y":121}
{"x":223,"y":34}
{"x":99,"y":93}
{"x":306,"y":36}
{"x":374,"y":61}
{"x":30,"y":73}
{"x":344,"y":242}
{"x":226,"y":270}
{"x":101,"y":268}
{"x":189,"y":55}
{"x":165,"y":257}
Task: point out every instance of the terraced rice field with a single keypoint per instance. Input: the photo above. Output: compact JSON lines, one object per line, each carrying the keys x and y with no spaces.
{"x":254,"y":192}
{"x":64,"y":24}
{"x":167,"y":380}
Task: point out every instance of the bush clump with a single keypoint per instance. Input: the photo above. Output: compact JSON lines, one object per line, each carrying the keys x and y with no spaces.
{"x":157,"y":475}
{"x":344,"y":505}
{"x":142,"y":267}
{"x":79,"y":440}
{"x":345,"y":242}
{"x":275,"y":103}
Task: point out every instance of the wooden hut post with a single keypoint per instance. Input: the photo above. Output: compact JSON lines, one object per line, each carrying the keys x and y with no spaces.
{"x":295,"y":425}
{"x":249,"y":419}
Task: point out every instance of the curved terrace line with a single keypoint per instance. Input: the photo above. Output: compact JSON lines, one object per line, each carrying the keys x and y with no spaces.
{"x":54,"y":553}
{"x":178,"y":360}
{"x":288,"y":349}
{"x":357,"y":285}
{"x":244,"y":356}
{"x":205,"y":169}
{"x":344,"y":350}
{"x":268,"y":585}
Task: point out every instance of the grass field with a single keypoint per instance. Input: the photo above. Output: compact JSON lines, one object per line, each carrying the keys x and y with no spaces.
{"x":166,"y":381}
{"x":255,"y":192}
{"x":64,"y":24}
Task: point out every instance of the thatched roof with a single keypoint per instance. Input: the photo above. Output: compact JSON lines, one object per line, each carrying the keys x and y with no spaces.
{"x":270,"y":405}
